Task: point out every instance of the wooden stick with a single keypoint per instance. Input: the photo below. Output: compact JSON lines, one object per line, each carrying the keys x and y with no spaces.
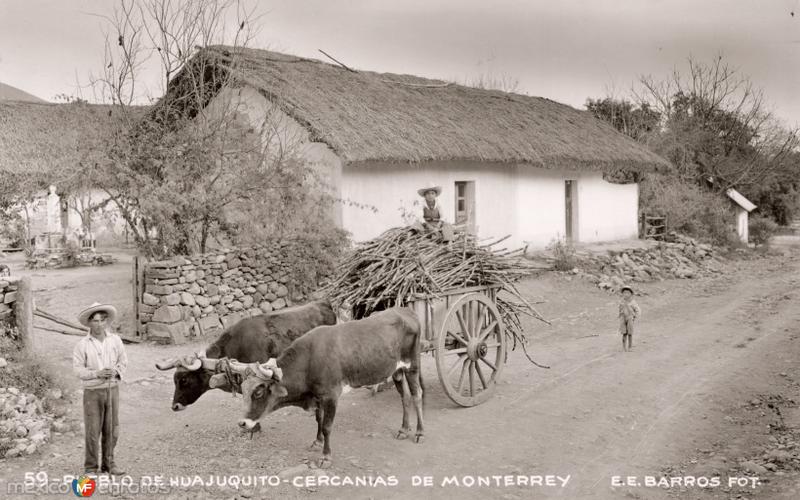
{"x":61,"y":321}
{"x":64,"y":332}
{"x":337,"y":62}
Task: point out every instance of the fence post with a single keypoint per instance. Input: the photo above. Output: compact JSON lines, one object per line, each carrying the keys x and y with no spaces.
{"x":23,"y":312}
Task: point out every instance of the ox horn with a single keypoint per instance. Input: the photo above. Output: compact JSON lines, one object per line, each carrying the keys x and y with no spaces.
{"x":191,"y":363}
{"x":270,"y":369}
{"x":264,"y":371}
{"x":167,"y":364}
{"x":239,"y":367}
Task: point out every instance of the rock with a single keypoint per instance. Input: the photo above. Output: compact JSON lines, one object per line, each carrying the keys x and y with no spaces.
{"x":212,"y":290}
{"x":13,"y":390}
{"x":149,"y":299}
{"x":263,"y":289}
{"x":753,"y":467}
{"x":187,"y":299}
{"x":175,"y":333}
{"x":30,"y":449}
{"x":172,"y":299}
{"x":771,"y":467}
{"x":293,"y":471}
{"x":282,"y":291}
{"x":21,"y":431}
{"x":265,"y":306}
{"x":194,"y":289}
{"x":59,"y":426}
{"x":235,"y":306}
{"x":779,"y":456}
{"x":278,"y":304}
{"x":168,"y":314}
{"x":270,"y":297}
{"x":13,"y":452}
{"x":247,"y":301}
{"x":3,"y":363}
{"x":38,"y":438}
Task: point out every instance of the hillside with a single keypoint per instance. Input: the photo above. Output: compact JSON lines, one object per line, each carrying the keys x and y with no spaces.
{"x":9,"y":93}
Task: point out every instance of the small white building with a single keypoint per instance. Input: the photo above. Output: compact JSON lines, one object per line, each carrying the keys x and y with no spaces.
{"x":508,"y":164}
{"x":743,"y":209}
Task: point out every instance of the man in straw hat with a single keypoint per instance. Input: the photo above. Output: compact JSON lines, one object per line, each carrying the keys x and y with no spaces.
{"x":431,"y":215}
{"x":99,"y":360}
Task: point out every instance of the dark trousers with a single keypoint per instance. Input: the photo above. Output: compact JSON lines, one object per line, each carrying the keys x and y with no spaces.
{"x":100,"y":419}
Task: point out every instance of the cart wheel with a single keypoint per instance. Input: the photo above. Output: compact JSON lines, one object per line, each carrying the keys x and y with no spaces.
{"x":470,"y":349}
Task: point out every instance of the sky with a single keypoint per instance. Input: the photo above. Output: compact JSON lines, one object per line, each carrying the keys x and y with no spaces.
{"x":565,"y":50}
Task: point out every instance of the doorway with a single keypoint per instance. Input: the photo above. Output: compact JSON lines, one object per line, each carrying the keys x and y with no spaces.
{"x":571,"y":209}
{"x":465,"y":204}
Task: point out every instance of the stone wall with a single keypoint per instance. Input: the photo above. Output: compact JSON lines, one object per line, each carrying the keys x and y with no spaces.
{"x":199,"y":296}
{"x":8,"y":297}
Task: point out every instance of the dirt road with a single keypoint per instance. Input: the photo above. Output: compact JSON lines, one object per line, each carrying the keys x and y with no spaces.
{"x":692,"y":399}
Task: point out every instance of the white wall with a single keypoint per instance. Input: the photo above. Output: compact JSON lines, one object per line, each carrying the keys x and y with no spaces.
{"x":374,"y":195}
{"x":284,"y":134}
{"x":527,"y":203}
{"x":606,"y":211}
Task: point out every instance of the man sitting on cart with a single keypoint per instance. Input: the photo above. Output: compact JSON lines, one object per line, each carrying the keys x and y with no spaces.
{"x":431,"y":214}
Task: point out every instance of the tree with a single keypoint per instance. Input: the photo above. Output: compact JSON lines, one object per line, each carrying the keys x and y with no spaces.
{"x":190,"y":169}
{"x":636,"y":121}
{"x":716,"y":124}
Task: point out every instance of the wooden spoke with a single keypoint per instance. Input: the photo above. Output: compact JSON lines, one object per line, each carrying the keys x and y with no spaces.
{"x":461,"y":322}
{"x":486,"y":331}
{"x":460,"y":350}
{"x":471,"y":378}
{"x":455,"y":365}
{"x":490,"y":365}
{"x":464,"y":369}
{"x":480,"y":375}
{"x":457,"y":337}
{"x":484,"y":315}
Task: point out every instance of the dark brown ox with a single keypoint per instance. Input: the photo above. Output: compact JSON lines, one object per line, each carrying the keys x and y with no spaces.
{"x":314,"y":371}
{"x":255,"y":339}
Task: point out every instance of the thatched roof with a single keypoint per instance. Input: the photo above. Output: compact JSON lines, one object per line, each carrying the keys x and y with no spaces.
{"x":46,"y":138}
{"x":365,"y":116}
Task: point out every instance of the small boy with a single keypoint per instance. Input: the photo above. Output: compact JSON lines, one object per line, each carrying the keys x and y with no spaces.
{"x":629,"y":311}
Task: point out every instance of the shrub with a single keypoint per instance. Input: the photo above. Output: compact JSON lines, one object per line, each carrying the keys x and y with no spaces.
{"x":564,"y":255}
{"x":689,"y":209}
{"x":25,"y":371}
{"x":761,"y":230}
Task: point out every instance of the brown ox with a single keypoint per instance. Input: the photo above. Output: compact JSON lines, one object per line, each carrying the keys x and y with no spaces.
{"x":316,"y":368}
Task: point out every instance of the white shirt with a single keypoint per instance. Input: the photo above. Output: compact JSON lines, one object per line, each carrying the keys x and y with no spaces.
{"x":91,"y":355}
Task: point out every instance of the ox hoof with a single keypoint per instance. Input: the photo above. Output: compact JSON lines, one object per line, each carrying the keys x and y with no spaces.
{"x":324,"y":463}
{"x":316,"y":445}
{"x":419,"y":438}
{"x":402,"y":434}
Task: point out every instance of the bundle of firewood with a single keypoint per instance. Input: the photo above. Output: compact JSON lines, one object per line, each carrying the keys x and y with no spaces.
{"x":404,"y":261}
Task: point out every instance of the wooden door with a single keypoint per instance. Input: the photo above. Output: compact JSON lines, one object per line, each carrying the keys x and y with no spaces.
{"x":465,"y":204}
{"x":570,"y":202}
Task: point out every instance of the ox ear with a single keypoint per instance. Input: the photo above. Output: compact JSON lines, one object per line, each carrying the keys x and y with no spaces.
{"x":278,"y":390}
{"x":218,"y":381}
{"x":167,"y":364}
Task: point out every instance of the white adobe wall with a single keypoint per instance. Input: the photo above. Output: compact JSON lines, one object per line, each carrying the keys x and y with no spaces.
{"x":611,"y":211}
{"x":388,"y":187}
{"x":282,"y":130}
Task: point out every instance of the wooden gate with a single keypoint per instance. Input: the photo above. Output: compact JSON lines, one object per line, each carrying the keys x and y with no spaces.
{"x":138,"y":289}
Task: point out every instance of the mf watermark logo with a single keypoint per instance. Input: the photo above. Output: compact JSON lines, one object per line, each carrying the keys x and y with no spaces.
{"x":84,"y":486}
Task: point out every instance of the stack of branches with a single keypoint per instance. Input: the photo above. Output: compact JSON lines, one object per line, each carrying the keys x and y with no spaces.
{"x":405,"y":261}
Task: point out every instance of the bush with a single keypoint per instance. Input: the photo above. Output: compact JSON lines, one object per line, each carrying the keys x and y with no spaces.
{"x":761,"y":230}
{"x":689,"y":209}
{"x":564,"y":255}
{"x":25,"y":371}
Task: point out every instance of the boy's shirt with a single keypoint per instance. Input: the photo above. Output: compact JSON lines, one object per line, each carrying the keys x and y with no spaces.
{"x":629,"y":310}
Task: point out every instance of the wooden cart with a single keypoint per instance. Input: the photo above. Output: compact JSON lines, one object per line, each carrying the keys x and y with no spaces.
{"x":465,"y":331}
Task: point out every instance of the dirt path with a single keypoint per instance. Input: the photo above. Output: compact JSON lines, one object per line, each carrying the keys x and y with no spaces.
{"x":704,"y":347}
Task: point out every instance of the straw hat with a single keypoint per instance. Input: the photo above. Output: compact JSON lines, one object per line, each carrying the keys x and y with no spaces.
{"x":435,"y":189}
{"x":626,"y":287}
{"x":84,"y":316}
